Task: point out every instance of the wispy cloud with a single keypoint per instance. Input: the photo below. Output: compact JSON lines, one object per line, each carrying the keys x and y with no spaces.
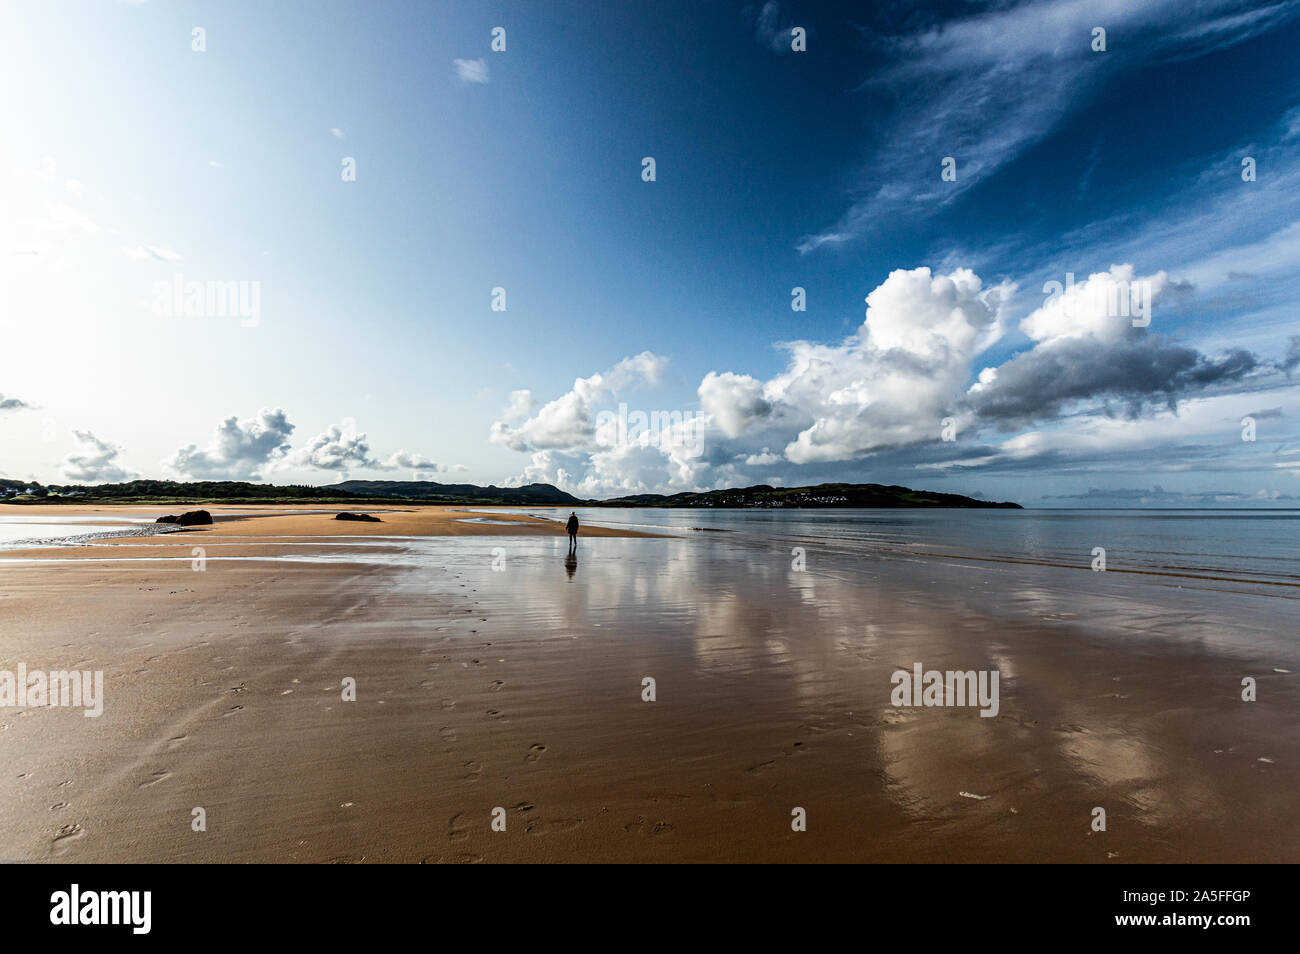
{"x":142,"y":253}
{"x":772,"y":26}
{"x":984,"y":88}
{"x":472,"y":71}
{"x":64,"y":218}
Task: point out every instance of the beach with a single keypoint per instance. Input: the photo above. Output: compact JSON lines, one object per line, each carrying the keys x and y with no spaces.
{"x":498,"y":678}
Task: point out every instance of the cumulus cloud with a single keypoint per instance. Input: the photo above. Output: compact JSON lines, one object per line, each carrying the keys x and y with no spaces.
{"x":338,"y":448}
{"x":734,"y":402}
{"x":886,"y":391}
{"x":1088,"y":348}
{"x":520,"y":406}
{"x":93,"y":462}
{"x":568,"y":422}
{"x":249,"y":449}
{"x":472,"y":71}
{"x":892,"y":383}
{"x":239,"y":450}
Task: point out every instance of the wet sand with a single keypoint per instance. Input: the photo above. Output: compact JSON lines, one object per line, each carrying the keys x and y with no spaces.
{"x":521,"y":688}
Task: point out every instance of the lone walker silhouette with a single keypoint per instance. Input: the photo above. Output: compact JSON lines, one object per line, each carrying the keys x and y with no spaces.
{"x":572,"y":527}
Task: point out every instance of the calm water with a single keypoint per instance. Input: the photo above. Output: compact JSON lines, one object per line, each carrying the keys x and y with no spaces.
{"x":1226,"y":579}
{"x":20,"y":530}
{"x":1256,"y":546}
{"x":26,"y":529}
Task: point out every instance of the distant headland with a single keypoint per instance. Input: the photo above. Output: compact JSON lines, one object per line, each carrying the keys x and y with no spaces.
{"x":431,"y":492}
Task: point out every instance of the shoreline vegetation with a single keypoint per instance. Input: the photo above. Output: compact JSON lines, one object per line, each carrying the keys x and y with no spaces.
{"x":372,"y":492}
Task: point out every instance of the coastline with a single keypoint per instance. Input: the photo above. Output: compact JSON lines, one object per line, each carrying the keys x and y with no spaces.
{"x":522,"y":689}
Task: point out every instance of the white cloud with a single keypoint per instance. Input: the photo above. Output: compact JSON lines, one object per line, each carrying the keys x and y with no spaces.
{"x":239,"y":450}
{"x":339,"y":448}
{"x":886,"y":390}
{"x":892,"y":383}
{"x":472,"y":71}
{"x":568,"y":422}
{"x":520,"y":406}
{"x":733,"y":401}
{"x":764,"y":459}
{"x":93,"y":462}
{"x":1100,"y":306}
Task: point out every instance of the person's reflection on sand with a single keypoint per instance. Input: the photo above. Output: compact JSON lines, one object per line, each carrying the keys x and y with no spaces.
{"x":571,"y":563}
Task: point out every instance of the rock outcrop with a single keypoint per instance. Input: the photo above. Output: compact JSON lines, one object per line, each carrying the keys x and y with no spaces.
{"x":191,"y":518}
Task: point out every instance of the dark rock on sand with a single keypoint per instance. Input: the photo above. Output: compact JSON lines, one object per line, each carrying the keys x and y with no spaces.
{"x":365,"y":517}
{"x":190,"y":518}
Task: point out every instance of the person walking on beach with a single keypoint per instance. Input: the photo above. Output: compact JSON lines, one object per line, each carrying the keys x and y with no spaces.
{"x":572,"y":527}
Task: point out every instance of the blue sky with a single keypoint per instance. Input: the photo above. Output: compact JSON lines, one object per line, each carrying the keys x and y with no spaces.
{"x":132,"y":159}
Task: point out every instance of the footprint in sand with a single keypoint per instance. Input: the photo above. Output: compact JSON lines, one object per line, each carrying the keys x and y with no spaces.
{"x":494,"y":713}
{"x":534,"y":753}
{"x":447,"y":734}
{"x":639,"y":826}
{"x":495,"y":684}
{"x":448,"y":703}
{"x":456,"y":830}
{"x":155,"y":779}
{"x":231,"y":711}
{"x":58,"y":806}
{"x":474,"y":771}
{"x":541,"y":827}
{"x":64,"y":837}
{"x":176,"y":741}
